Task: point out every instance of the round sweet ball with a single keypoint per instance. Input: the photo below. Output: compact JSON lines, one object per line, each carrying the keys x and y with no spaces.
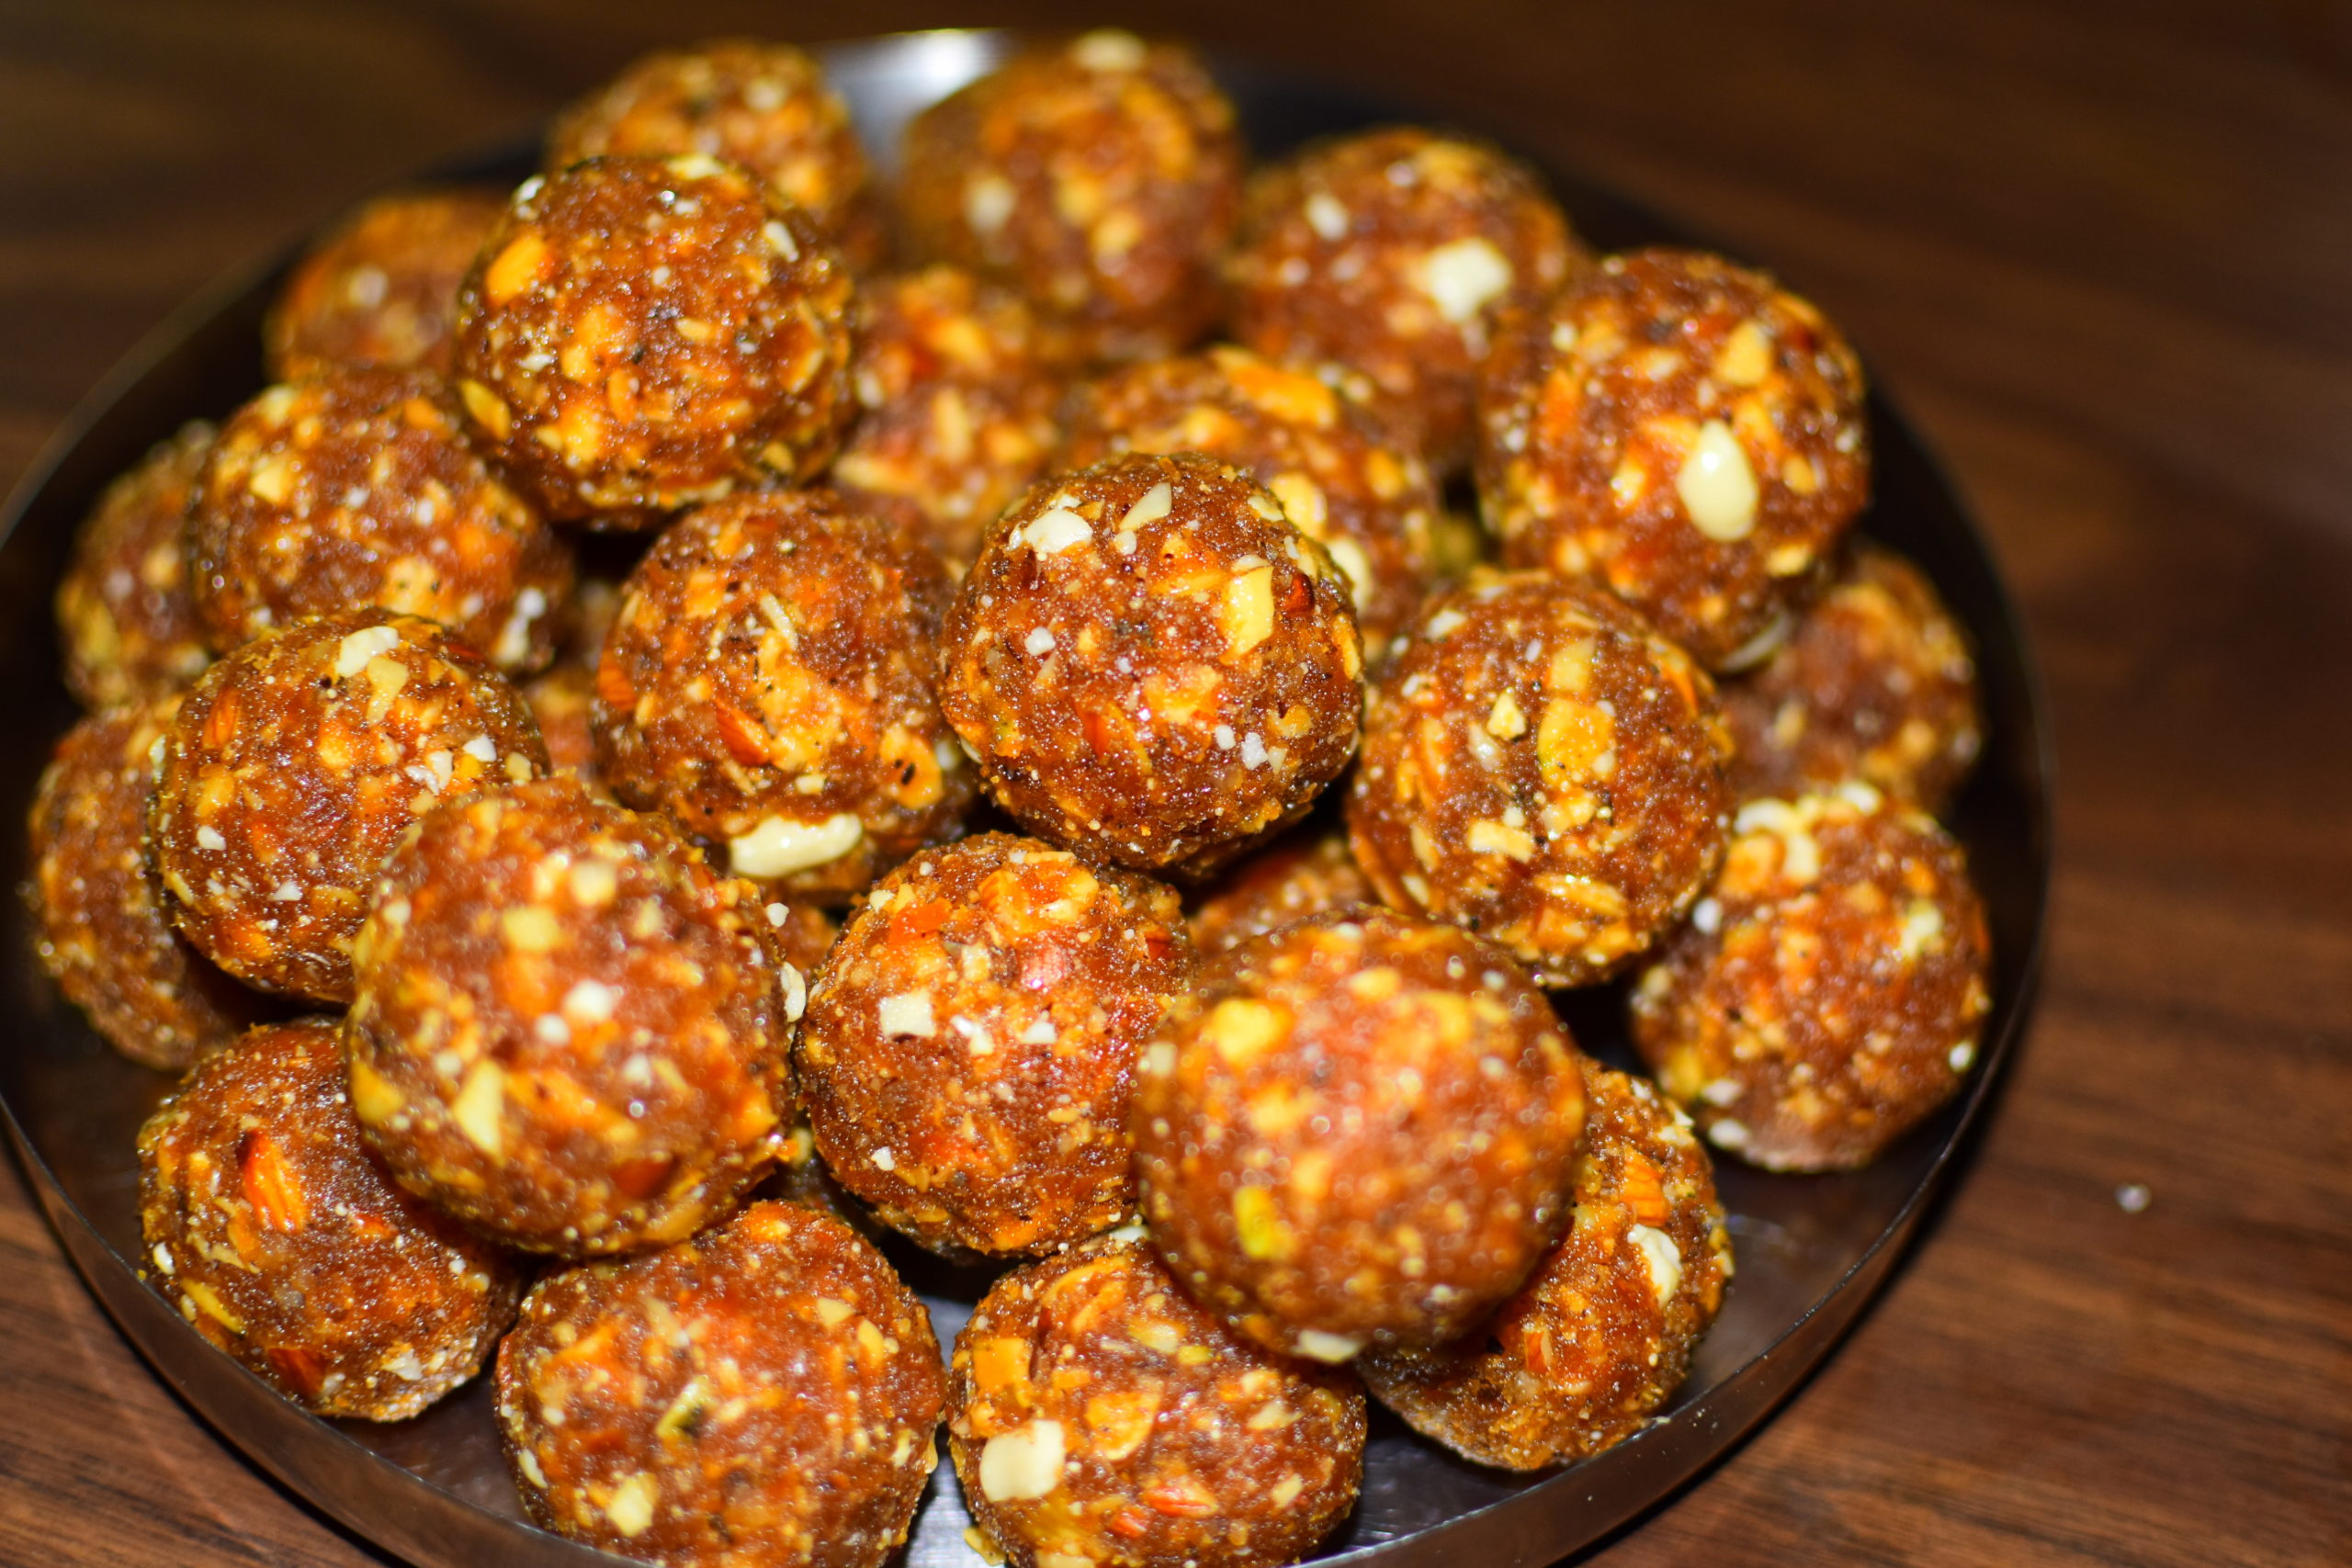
{"x":1542,"y":768}
{"x":1591,"y":1348}
{"x":1686,"y":433}
{"x":1357,"y":1131}
{"x":354,"y":488}
{"x":1876,"y":683}
{"x":295,"y":766}
{"x":1150,"y":665}
{"x":99,"y":923}
{"x":769,"y":682}
{"x":563,"y":703}
{"x":382,"y":288}
{"x":968,"y":1057}
{"x":567,"y":1030}
{"x":1831,"y":989}
{"x":1097,"y":1415}
{"x":642,"y":334}
{"x":1099,"y":176}
{"x":271,"y":1228}
{"x":1341,"y":479}
{"x":1395,"y":253}
{"x":1303,"y":874}
{"x":126,"y":625}
{"x":765,"y":1395}
{"x":957,"y":403}
{"x":764,"y":106}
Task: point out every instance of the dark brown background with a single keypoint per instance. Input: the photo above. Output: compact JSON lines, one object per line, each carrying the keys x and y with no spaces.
{"x":2101,"y":250}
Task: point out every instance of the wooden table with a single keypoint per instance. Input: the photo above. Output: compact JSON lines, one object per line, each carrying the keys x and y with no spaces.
{"x":2102,"y":251}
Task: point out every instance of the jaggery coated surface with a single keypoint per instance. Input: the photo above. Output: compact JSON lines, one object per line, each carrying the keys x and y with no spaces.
{"x":765,"y":1395}
{"x":1876,"y":683}
{"x":763,"y":105}
{"x":1831,"y":989}
{"x":969,"y":1056}
{"x":1097,"y":1415}
{"x":1305,"y":872}
{"x":1601,"y":1338}
{"x":355,"y":487}
{"x":100,"y":927}
{"x":569,"y":1030}
{"x":1343,"y":480}
{"x":1393,"y":252}
{"x":1150,"y":665}
{"x":958,"y":394}
{"x":271,"y":1228}
{"x":293,"y":767}
{"x":642,"y":334}
{"x":1357,"y":1131}
{"x":1100,"y":178}
{"x":126,"y":620}
{"x":382,"y":287}
{"x":769,"y":682}
{"x":1684,"y":432}
{"x":1542,"y":768}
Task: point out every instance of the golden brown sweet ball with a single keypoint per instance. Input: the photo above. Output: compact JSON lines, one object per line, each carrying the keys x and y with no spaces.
{"x":126,"y":625}
{"x":765,"y":106}
{"x":568,"y":1030}
{"x":354,"y":488}
{"x":1876,"y":683}
{"x":1684,"y":432}
{"x":1151,"y":665}
{"x":101,"y":928}
{"x":768,"y":681}
{"x":1099,"y":176}
{"x":382,"y":289}
{"x":1585,"y":1355}
{"x":1393,"y":252}
{"x":1541,"y":767}
{"x":296,"y":762}
{"x":1303,"y":872}
{"x":765,"y":1395}
{"x":271,"y":1228}
{"x":642,"y":334}
{"x":1357,"y":1131}
{"x":968,"y":1057}
{"x":1342,"y":480}
{"x":1097,"y":1415}
{"x":1831,"y":989}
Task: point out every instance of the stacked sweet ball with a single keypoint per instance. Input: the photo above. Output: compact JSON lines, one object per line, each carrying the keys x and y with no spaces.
{"x":488,"y":900}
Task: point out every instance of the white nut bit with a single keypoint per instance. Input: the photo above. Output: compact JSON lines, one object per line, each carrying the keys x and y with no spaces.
{"x":796,"y":991}
{"x":1051,"y":533}
{"x":1663,"y":1259}
{"x":1109,"y":49}
{"x":1318,"y":1346}
{"x":1023,"y":1464}
{"x":479,"y":1110}
{"x":987,"y":202}
{"x":778,"y":848}
{"x":1153,"y":505}
{"x":1463,"y":277}
{"x":1326,"y":216}
{"x":357,"y":647}
{"x":906,"y":1016}
{"x":630,"y":1504}
{"x":1717,"y":485}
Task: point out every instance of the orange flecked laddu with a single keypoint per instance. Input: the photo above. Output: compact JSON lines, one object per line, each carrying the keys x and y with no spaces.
{"x":382,"y":287}
{"x":642,"y":334}
{"x":126,"y":624}
{"x":1096,"y":1414}
{"x":1829,"y":990}
{"x":1357,"y":1131}
{"x":968,"y":1057}
{"x":277,"y":1235}
{"x":569,"y":1030}
{"x":768,"y":681}
{"x":293,"y":767}
{"x":1584,"y":1356}
{"x":1150,"y":665}
{"x":1683,"y":433}
{"x":765,"y":1395}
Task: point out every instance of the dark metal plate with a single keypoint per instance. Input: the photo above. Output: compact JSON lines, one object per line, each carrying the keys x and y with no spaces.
{"x":1810,"y":1249}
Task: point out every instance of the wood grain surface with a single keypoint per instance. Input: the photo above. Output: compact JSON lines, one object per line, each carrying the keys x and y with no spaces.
{"x":2102,"y":251}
